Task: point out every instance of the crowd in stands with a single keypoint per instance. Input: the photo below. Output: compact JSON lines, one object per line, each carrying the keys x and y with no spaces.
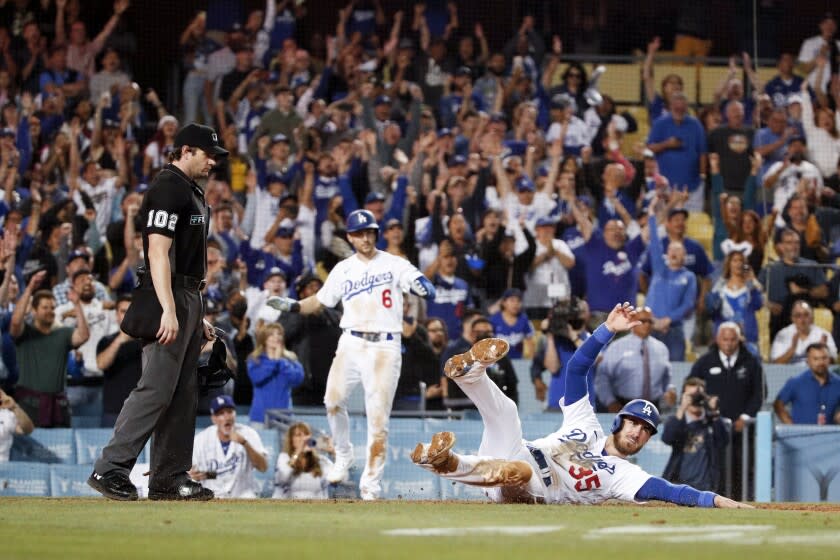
{"x":491,"y":167}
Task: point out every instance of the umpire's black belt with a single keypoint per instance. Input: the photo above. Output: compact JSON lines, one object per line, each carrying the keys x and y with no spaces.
{"x":188,"y":282}
{"x":373,"y":336}
{"x":539,"y":457}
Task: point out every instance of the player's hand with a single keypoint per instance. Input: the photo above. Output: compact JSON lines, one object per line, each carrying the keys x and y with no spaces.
{"x":209,"y":330}
{"x":282,"y":304}
{"x":622,"y":318}
{"x":236,"y":436}
{"x":196,"y":474}
{"x":726,"y":503}
{"x":168,"y":331}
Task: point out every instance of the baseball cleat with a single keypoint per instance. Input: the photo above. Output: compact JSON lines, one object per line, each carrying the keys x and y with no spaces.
{"x":485,"y":351}
{"x":340,"y":470}
{"x":437,"y":453}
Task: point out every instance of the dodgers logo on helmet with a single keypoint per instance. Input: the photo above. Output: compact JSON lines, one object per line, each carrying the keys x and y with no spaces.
{"x":361,"y":219}
{"x":641,"y":409}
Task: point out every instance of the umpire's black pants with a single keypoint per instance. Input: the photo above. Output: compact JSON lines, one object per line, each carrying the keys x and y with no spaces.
{"x":163,"y":404}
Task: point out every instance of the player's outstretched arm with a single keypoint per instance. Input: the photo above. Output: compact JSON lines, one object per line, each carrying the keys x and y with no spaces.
{"x":684,"y":495}
{"x":305,"y":306}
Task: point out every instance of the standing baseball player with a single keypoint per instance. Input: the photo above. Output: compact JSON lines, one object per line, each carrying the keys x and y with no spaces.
{"x":576,"y":464}
{"x":370,"y":285}
{"x":175,"y":218}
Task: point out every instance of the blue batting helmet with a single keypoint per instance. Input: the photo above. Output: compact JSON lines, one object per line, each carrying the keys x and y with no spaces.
{"x":644,"y":410}
{"x":359,"y":220}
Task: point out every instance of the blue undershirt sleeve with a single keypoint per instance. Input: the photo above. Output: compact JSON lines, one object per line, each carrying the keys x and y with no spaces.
{"x":580,"y":363}
{"x":682,"y":494}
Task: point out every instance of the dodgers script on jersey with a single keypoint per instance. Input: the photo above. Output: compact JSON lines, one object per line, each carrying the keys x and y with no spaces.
{"x":372,"y":292}
{"x":580,"y":472}
{"x":234,"y":472}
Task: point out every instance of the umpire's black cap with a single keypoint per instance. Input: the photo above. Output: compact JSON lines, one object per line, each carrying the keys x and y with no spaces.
{"x":200,"y":136}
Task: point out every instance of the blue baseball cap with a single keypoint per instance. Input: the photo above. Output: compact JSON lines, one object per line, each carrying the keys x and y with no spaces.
{"x":546,"y":221}
{"x":374,"y":197}
{"x":512,"y":292}
{"x":220,"y":403}
{"x":457,"y":159}
{"x":275,"y":178}
{"x":524,"y":184}
{"x":279,"y":137}
{"x":444,"y":132}
{"x":382,"y":100}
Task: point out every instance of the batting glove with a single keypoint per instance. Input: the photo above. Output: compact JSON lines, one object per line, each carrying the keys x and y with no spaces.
{"x":283,"y":304}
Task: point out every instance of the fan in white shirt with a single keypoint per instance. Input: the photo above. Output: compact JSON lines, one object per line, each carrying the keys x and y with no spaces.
{"x":226,"y":454}
{"x":791,"y":343}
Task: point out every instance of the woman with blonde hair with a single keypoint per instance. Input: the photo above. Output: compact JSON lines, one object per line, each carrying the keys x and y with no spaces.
{"x":300,"y":468}
{"x":274,"y":372}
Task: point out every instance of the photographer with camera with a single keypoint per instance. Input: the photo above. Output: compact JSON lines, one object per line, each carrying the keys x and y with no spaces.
{"x":565,"y":330}
{"x":698,"y":436}
{"x":301,"y":465}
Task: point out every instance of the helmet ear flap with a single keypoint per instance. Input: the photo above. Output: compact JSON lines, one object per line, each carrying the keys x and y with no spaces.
{"x":616,"y":425}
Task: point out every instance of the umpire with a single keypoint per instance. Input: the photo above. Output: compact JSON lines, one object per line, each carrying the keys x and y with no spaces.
{"x":175,"y":221}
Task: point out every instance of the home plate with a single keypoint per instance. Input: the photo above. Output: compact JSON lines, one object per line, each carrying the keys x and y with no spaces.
{"x":463,"y":531}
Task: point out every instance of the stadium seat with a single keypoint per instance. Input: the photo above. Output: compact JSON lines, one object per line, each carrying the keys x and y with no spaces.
{"x":24,"y":479}
{"x":824,"y":318}
{"x":699,"y":218}
{"x":702,"y":233}
{"x":710,"y":80}
{"x":70,"y":480}
{"x":59,"y":441}
{"x":622,"y":82}
{"x":89,"y":443}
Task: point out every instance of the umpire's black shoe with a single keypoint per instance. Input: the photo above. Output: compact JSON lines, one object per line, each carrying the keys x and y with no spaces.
{"x":184,"y":489}
{"x":114,"y":485}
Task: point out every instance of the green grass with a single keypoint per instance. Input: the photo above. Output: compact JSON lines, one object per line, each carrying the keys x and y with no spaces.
{"x":88,"y":528}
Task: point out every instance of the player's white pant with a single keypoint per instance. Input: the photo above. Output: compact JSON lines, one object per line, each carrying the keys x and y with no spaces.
{"x":501,"y":439}
{"x":377,"y":366}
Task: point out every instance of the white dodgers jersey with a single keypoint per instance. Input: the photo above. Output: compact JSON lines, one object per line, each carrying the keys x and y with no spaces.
{"x":372,"y":292}
{"x":234,"y":471}
{"x":580,"y":473}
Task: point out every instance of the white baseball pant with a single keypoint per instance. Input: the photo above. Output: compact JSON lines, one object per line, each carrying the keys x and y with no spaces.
{"x":377,"y":366}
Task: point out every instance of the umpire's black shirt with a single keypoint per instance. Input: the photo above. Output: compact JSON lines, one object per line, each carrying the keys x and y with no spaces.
{"x":174,"y":206}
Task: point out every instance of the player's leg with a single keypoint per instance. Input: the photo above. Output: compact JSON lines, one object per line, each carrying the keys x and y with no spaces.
{"x":379,"y":379}
{"x":475,"y":470}
{"x":502,"y":435}
{"x":341,"y":381}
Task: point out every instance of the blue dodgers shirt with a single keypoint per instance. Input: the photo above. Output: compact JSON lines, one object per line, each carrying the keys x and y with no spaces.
{"x":672,"y":293}
{"x":610,"y":273}
{"x":805,"y":395}
{"x":514,"y":334}
{"x":448,"y":304}
{"x":696,"y":259}
{"x":682,"y":165}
